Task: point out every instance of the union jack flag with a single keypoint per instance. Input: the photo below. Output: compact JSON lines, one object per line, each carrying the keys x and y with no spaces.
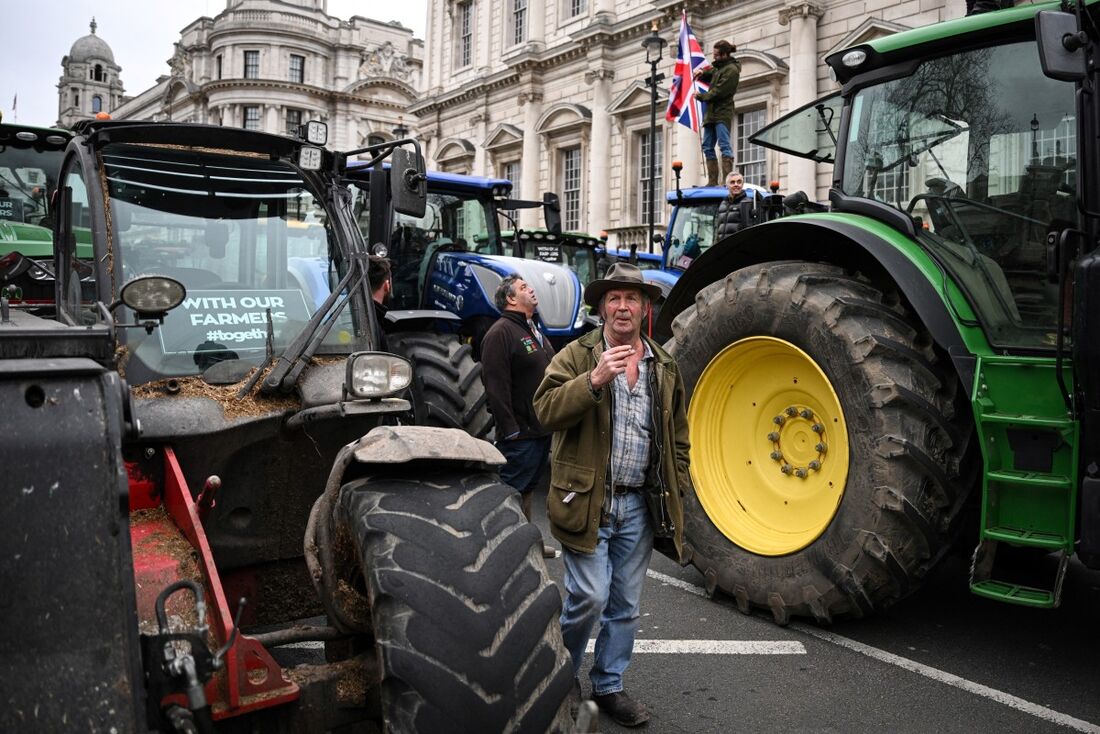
{"x":683,"y":107}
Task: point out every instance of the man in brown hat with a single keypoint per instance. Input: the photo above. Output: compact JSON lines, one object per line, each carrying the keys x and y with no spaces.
{"x":619,"y":465}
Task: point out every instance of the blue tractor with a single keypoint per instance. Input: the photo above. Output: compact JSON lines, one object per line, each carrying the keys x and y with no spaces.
{"x":447,"y":265}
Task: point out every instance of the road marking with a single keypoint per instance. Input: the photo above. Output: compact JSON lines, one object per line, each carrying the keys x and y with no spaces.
{"x":715,"y":647}
{"x":941,"y":676}
{"x":308,"y":645}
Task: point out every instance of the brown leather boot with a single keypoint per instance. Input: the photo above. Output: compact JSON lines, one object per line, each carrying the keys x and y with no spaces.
{"x":727,"y":168}
{"x":622,"y":708}
{"x":712,"y":171}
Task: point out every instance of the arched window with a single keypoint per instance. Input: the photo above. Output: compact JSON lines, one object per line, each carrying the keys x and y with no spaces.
{"x":97,"y":103}
{"x":98,"y":75}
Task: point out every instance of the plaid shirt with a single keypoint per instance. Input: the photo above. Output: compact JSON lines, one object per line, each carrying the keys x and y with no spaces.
{"x":631,"y":425}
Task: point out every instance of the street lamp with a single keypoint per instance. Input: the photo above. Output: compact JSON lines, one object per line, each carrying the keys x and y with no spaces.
{"x":653,"y":45}
{"x":399,"y":130}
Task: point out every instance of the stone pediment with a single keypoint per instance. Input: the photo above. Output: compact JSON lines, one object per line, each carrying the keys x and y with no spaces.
{"x":452,"y":150}
{"x":868,"y":30}
{"x":635,"y":98}
{"x":391,"y":90}
{"x":758,"y":67}
{"x":503,"y":135}
{"x":563,"y":116}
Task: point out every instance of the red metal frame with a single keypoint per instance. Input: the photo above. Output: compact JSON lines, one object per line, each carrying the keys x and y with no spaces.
{"x":251,"y":679}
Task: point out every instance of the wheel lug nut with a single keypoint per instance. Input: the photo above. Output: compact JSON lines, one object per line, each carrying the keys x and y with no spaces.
{"x":815,"y":464}
{"x":777,"y":455}
{"x":779,"y":420}
{"x":786,"y":468}
{"x":800,"y":473}
{"x":792,"y":411}
{"x":817,"y":428}
{"x":773,"y":436}
{"x":821,"y":448}
{"x":806,"y":413}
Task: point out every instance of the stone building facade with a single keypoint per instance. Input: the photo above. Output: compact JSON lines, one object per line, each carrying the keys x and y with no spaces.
{"x":272,"y":65}
{"x":90,"y":81}
{"x":552,"y":93}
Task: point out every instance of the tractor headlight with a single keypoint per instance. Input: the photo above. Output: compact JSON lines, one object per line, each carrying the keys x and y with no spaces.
{"x":377,"y":375}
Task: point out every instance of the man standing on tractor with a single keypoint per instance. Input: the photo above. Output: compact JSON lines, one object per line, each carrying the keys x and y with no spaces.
{"x":723,"y":77}
{"x":514,"y":356}
{"x":620,"y":461}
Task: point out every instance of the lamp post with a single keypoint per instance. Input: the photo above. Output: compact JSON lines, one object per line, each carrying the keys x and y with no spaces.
{"x":399,"y":130}
{"x":653,"y":45}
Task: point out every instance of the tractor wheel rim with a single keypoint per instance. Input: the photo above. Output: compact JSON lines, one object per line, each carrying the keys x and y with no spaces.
{"x":769,"y":446}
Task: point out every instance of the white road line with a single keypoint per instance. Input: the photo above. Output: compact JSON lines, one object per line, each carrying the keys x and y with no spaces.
{"x":715,"y":647}
{"x":1007,"y":699}
{"x":308,"y":645}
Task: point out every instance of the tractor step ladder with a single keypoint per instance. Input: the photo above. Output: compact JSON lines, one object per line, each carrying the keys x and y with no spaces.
{"x":1029,"y":489}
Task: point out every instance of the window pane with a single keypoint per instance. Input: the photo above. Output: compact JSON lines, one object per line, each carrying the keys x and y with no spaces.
{"x":465,"y":40}
{"x":293,"y":122}
{"x":577,"y":7}
{"x":750,"y":158}
{"x":512,"y":171}
{"x":571,"y":189}
{"x":297,"y":68}
{"x":519,"y":21}
{"x":251,"y":64}
{"x":644,"y":174}
{"x":251,"y":118}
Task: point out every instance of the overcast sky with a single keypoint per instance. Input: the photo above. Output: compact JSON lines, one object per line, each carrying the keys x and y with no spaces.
{"x":141,"y":33}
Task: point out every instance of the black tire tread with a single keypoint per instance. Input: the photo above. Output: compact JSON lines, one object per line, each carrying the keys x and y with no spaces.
{"x":447,"y":389}
{"x":464,"y":611}
{"x":884,"y":541}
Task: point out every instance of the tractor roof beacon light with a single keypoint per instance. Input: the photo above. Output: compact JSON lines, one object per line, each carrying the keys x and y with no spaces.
{"x":376,"y":375}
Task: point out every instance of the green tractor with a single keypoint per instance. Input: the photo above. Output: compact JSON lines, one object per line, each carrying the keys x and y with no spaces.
{"x":922,"y":358}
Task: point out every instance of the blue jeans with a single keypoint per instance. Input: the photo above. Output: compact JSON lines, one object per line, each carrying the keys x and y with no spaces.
{"x":721,"y":131}
{"x":607,"y":585}
{"x":527,"y":459}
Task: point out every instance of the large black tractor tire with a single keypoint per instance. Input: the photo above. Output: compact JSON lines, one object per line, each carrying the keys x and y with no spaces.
{"x":907,"y":441}
{"x":447,"y":391}
{"x":464,"y":612}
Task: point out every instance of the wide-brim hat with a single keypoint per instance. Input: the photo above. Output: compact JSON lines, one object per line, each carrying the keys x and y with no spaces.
{"x":619,"y":275}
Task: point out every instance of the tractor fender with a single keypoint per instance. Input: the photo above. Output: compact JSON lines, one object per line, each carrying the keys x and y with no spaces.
{"x":407,"y":444}
{"x":826,"y":238}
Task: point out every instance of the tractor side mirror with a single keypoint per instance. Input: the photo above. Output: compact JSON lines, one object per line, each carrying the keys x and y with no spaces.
{"x":1061,"y":45}
{"x":551,"y":212}
{"x":408,"y":183}
{"x":1062,"y":247}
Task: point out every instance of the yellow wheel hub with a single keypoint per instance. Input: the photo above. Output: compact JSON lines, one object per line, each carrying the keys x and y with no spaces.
{"x":769,"y":446}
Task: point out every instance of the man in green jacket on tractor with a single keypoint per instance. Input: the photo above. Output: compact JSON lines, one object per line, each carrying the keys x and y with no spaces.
{"x":723,"y":77}
{"x":619,"y":467}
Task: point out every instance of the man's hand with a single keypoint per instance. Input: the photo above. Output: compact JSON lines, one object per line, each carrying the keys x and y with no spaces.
{"x":612,"y":363}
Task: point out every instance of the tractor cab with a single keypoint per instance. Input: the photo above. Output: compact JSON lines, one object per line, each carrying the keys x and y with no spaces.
{"x":29,"y":160}
{"x":451,"y":260}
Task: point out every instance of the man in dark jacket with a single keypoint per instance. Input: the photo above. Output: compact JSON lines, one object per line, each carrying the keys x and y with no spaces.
{"x":728,"y":218}
{"x":723,"y":77}
{"x":616,"y":402}
{"x":514,"y":356}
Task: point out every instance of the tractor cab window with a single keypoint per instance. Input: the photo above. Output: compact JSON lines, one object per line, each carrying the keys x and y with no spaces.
{"x":980,"y":148}
{"x":578,"y":253}
{"x":808,"y":132}
{"x":77,"y":276}
{"x":245,"y":236}
{"x":451,"y":222}
{"x":28,"y":179}
{"x":692,"y":233}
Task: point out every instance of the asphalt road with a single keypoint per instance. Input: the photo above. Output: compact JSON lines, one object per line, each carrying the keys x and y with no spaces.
{"x":941,"y":661}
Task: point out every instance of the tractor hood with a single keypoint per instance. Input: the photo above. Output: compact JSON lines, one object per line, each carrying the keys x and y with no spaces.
{"x":558,"y":289}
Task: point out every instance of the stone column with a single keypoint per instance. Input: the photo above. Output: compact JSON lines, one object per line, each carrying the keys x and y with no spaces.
{"x":531,"y":163}
{"x":605,"y":10}
{"x":484,"y":39}
{"x":432,"y":40}
{"x":536,"y":24}
{"x":480,"y":124}
{"x":271,"y":123}
{"x":802,"y":15}
{"x":599,"y":151}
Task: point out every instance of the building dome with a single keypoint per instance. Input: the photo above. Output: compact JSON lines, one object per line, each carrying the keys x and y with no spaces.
{"x":90,"y":47}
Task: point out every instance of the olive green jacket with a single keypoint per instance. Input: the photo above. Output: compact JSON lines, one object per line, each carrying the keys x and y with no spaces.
{"x":582,"y":443}
{"x":724,"y":78}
